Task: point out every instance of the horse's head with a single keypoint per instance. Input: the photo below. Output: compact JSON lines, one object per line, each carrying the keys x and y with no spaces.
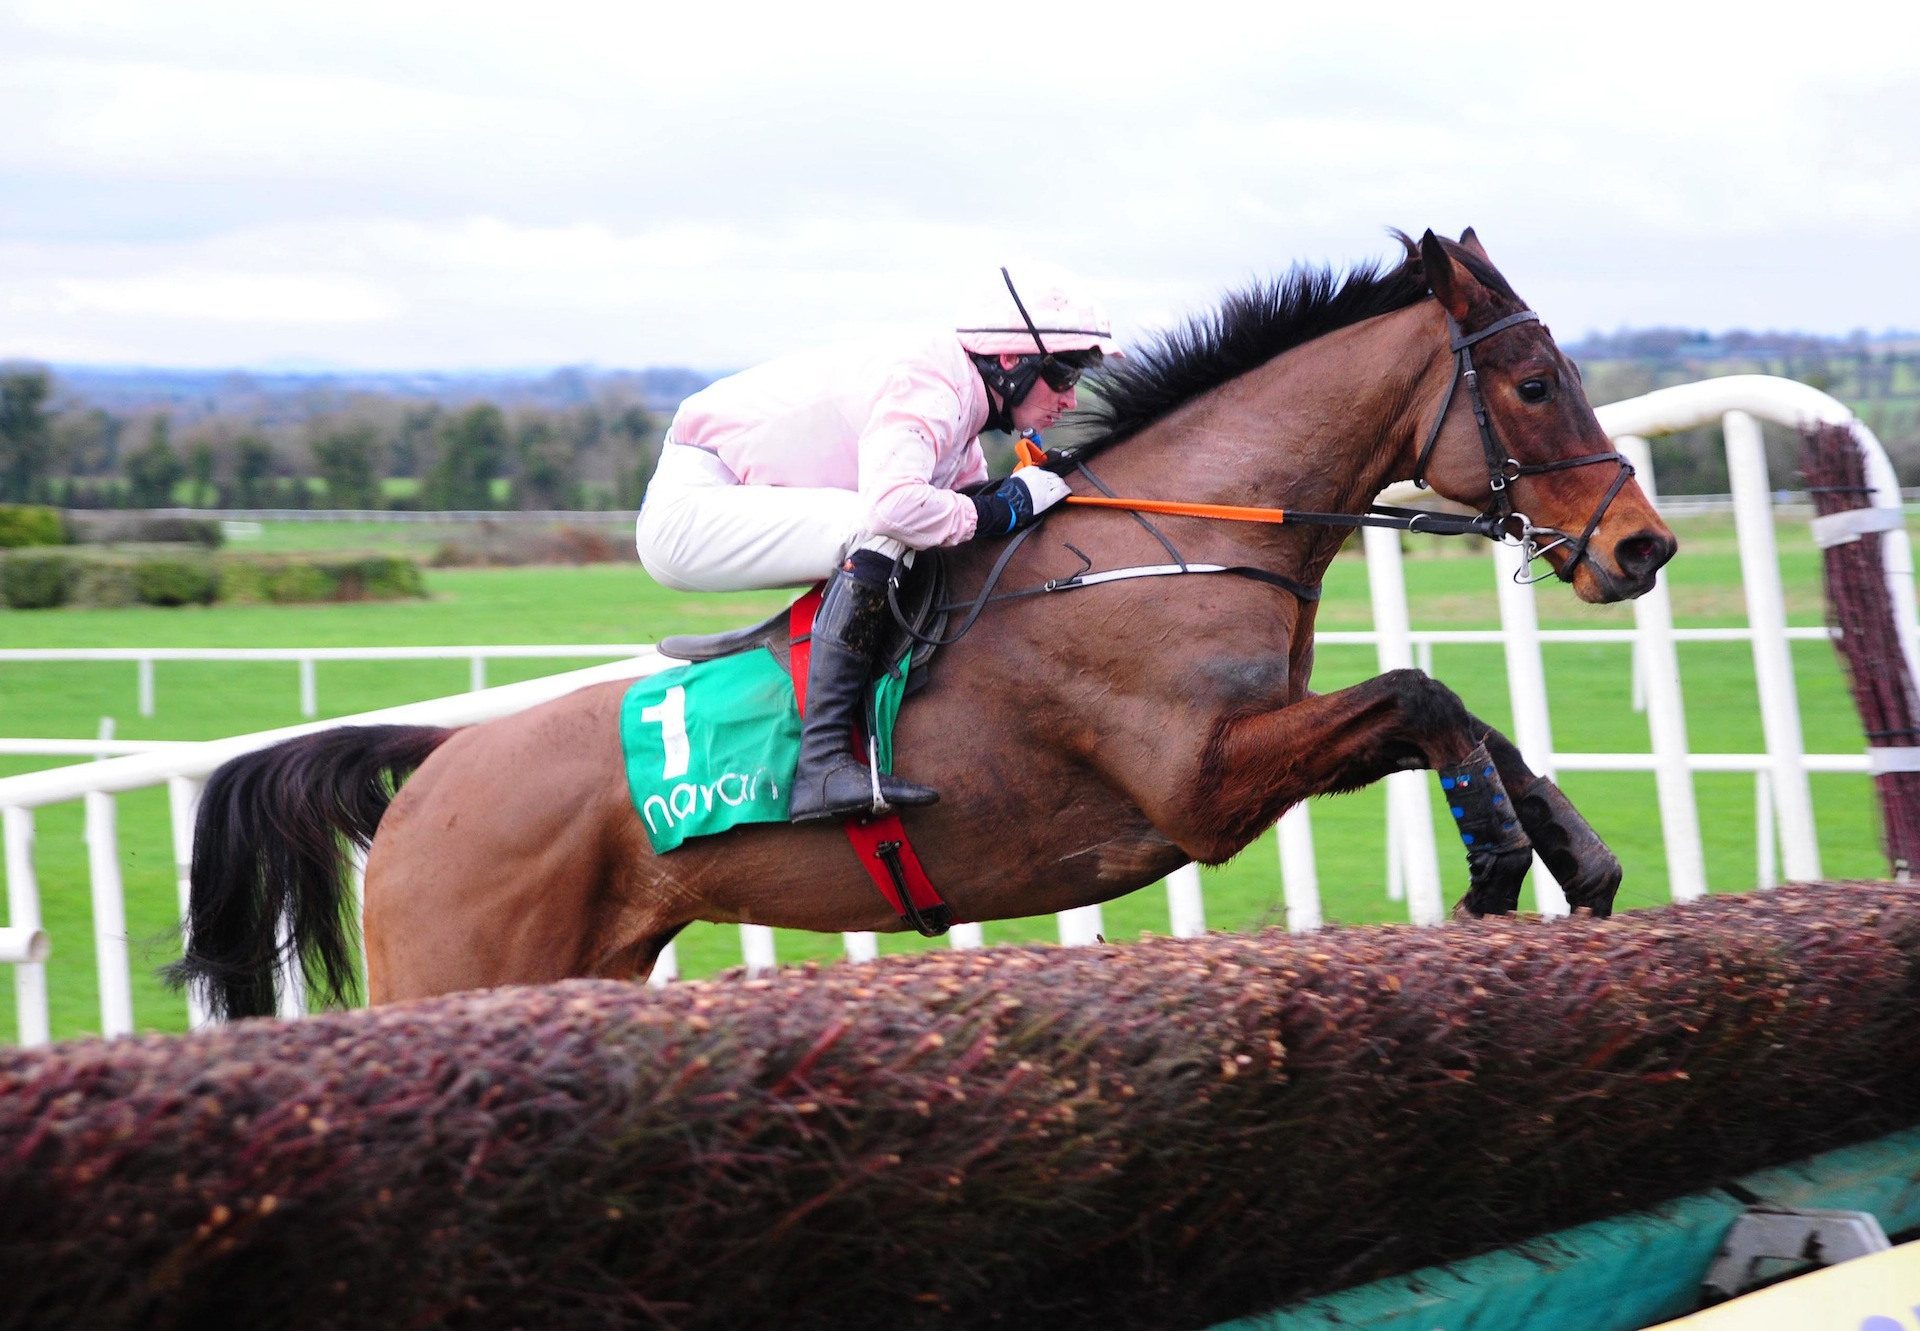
{"x":1515,"y":436}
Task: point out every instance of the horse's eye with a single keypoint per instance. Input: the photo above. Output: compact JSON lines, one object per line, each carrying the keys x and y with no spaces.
{"x":1535,"y":390}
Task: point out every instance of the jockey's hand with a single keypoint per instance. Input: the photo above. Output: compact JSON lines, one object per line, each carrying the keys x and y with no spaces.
{"x":1017,"y":501}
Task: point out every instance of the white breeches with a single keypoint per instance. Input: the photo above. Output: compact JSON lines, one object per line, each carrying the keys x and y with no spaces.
{"x":701,"y":530}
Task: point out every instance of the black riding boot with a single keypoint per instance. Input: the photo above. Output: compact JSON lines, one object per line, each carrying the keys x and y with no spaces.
{"x":831,"y":781}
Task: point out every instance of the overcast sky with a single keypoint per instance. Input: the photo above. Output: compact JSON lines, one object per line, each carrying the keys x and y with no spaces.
{"x":411,"y":184}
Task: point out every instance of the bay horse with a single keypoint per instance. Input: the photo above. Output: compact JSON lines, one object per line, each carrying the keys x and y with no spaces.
{"x":1085,"y":745}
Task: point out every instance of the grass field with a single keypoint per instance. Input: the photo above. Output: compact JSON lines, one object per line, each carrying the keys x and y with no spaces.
{"x":1450,"y":585}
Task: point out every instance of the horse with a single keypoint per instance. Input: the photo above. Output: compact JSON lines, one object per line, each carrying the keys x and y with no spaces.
{"x":1085,"y":745}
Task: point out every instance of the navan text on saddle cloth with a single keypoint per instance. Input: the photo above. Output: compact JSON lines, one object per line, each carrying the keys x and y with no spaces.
{"x":710,"y":746}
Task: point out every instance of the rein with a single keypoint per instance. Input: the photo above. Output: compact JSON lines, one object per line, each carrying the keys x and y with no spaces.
{"x":1084,"y":576}
{"x":1380,"y":515}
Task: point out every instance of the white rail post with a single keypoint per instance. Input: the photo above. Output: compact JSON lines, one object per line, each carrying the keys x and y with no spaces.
{"x":1410,"y":815}
{"x":309,"y":692}
{"x":109,"y":915}
{"x":756,"y":948}
{"x":183,"y":804}
{"x":145,"y":668}
{"x":1764,"y":872}
{"x":1080,"y":926}
{"x":290,"y":981}
{"x":1186,"y":908}
{"x":23,"y":913}
{"x":966,"y":936}
{"x":862,"y":945}
{"x":1772,"y":661}
{"x":476,"y":673}
{"x":357,"y":876}
{"x":665,"y":970}
{"x":1527,"y":690}
{"x":1299,"y":878}
{"x":1658,"y":673}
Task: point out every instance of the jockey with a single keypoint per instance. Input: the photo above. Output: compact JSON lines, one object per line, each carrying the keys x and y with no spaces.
{"x":830,"y":464}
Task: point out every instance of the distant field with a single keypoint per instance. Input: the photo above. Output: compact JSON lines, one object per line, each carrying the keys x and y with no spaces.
{"x":1449,"y":585}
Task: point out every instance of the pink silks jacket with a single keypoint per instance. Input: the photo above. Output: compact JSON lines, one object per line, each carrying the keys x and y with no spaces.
{"x":900,"y":426}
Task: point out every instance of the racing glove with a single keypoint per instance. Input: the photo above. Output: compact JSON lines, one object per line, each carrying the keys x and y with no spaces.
{"x":1016,"y":501}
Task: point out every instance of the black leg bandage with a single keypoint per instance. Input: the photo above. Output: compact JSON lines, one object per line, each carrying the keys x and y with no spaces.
{"x":1587,"y":871}
{"x":1489,"y":825}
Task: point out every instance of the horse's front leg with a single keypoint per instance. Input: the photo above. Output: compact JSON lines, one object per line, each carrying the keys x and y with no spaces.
{"x":1259,"y":764}
{"x":1587,"y":871}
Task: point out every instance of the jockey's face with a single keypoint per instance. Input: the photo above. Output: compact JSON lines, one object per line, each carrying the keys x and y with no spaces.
{"x":1041,"y":407}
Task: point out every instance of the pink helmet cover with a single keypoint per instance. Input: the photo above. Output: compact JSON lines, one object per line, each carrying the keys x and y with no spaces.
{"x":1067,"y":320}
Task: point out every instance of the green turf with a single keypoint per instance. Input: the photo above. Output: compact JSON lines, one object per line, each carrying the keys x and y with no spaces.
{"x":1450,"y":585}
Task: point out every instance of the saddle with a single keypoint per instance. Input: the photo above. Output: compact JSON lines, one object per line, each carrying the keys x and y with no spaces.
{"x":921,"y":600}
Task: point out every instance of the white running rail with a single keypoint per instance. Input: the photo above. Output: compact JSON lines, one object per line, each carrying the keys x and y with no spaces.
{"x":1782,"y":795}
{"x":306,"y":659}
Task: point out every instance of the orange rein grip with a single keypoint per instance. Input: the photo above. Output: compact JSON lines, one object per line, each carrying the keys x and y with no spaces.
{"x":1176,"y":508}
{"x":1030,"y":455}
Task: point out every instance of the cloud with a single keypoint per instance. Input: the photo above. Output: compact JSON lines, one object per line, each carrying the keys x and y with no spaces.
{"x":226,"y":298}
{"x":437,"y":184}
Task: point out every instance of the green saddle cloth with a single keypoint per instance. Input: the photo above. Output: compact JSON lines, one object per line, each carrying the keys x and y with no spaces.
{"x":712,"y":745}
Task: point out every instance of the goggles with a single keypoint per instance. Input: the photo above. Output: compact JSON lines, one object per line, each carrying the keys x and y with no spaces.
{"x":1060,"y":374}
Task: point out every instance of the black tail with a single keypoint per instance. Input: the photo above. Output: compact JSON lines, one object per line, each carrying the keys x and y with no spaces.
{"x":270,"y":844}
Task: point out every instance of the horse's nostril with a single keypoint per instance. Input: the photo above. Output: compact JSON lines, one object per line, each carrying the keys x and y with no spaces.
{"x":1640,"y":556}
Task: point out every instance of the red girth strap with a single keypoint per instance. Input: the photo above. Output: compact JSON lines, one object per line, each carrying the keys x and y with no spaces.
{"x":881,"y":843}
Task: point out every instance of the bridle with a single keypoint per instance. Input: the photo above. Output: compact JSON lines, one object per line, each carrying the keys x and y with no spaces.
{"x":1502,"y":522}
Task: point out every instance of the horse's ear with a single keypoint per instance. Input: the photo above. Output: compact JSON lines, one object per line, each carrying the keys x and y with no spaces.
{"x":1469,"y":241}
{"x":1448,"y":280}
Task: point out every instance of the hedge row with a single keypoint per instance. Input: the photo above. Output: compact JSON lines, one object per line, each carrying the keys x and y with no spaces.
{"x":1166,"y":1134}
{"x":502,"y":545}
{"x":30,"y":524}
{"x":41,"y":580}
{"x":110,"y":528}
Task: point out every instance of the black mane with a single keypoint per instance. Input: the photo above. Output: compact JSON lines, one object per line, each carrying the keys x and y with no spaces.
{"x":1249,"y":329}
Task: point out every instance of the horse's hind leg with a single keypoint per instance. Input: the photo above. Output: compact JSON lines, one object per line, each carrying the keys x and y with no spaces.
{"x":635,"y":960}
{"x":1259,"y":764}
{"x":1588,"y":872}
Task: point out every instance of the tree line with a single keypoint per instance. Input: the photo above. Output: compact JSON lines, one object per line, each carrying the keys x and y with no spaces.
{"x":1881,"y":387}
{"x":575,"y":440}
{"x":377,"y":451}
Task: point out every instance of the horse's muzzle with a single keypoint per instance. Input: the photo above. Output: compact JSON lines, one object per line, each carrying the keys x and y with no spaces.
{"x":1629,"y":567}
